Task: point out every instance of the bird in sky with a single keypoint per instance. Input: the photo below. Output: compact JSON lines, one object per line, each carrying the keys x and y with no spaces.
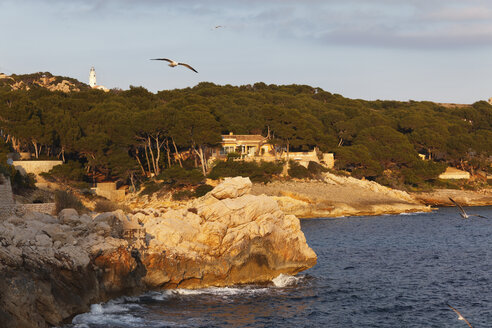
{"x":172,"y":63}
{"x":460,"y":317}
{"x":218,"y":26}
{"x":462,"y":211}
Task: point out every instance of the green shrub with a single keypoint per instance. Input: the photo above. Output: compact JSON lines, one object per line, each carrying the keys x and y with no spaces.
{"x":202,"y":190}
{"x":70,"y":171}
{"x":177,"y":175}
{"x":446,"y":184}
{"x":233,"y":156}
{"x":420,"y":172}
{"x":105,"y":206}
{"x":65,"y":199}
{"x":298,"y":171}
{"x":151,"y":187}
{"x":182,"y":195}
{"x":316,"y":169}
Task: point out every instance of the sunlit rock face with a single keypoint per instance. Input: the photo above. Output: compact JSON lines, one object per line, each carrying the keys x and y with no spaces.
{"x":239,"y":238}
{"x":55,"y":267}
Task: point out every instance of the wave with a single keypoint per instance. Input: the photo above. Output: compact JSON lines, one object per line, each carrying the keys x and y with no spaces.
{"x":413,"y":213}
{"x":111,"y":314}
{"x":285,"y":280}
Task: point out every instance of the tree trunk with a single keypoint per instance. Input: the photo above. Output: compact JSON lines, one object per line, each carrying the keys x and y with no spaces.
{"x":168,"y":151}
{"x":140,"y":163}
{"x":158,"y":156}
{"x":133,"y":183}
{"x":202,"y":159}
{"x":178,"y":155}
{"x":16,"y":144}
{"x":147,"y":157}
{"x":35,"y":148}
{"x":288,"y":149}
{"x":152,"y":156}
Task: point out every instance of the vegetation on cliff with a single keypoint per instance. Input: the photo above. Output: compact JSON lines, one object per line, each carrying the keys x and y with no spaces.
{"x":135,"y":134}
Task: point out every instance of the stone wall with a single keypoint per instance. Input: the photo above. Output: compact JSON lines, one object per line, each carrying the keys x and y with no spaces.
{"x":109,"y":191}
{"x":48,"y":208}
{"x":329,"y":160}
{"x":35,"y":167}
{"x":6,"y":198}
{"x":453,"y":173}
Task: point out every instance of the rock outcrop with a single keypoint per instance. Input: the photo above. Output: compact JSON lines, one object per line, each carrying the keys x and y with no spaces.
{"x":338,"y":196}
{"x":55,"y":267}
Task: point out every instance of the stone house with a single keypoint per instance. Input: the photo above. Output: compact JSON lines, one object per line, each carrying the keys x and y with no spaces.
{"x":255,"y":147}
{"x":247,"y":145}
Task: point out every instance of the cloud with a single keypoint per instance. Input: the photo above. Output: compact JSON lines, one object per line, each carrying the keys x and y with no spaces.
{"x":422,"y":24}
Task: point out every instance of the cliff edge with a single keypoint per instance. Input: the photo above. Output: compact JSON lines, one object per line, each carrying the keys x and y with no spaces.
{"x":55,"y":267}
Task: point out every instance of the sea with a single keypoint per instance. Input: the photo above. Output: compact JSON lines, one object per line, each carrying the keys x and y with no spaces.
{"x":372,"y":271}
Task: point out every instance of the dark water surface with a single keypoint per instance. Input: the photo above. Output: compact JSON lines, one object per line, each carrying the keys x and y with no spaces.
{"x":384,"y":271}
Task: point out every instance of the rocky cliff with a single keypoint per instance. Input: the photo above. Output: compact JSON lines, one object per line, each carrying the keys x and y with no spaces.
{"x":41,"y":80}
{"x":55,"y":267}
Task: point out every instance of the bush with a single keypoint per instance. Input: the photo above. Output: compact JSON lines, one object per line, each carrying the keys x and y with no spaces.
{"x":202,"y":190}
{"x":316,"y":169}
{"x":419,"y":172}
{"x":71,"y":171}
{"x":182,"y":195}
{"x":21,"y":184}
{"x":177,"y":175}
{"x":65,"y":199}
{"x":233,"y":156}
{"x":151,"y":187}
{"x":298,"y":171}
{"x":257,"y":172}
{"x":105,"y":206}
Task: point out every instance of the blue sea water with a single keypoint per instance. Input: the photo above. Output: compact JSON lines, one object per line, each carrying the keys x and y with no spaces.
{"x":382,"y":271}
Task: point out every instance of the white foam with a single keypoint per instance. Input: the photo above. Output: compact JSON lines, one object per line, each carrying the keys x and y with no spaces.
{"x":284,"y":280}
{"x":113,"y":313}
{"x":413,"y":213}
{"x":219,"y":291}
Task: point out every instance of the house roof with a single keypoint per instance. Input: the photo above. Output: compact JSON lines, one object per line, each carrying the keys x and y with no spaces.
{"x":244,"y":137}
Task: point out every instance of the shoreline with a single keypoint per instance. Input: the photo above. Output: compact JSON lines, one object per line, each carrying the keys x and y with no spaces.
{"x":55,"y":267}
{"x":440,"y":197}
{"x":336,"y":196}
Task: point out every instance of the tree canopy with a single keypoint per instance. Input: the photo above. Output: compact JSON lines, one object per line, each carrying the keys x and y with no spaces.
{"x":126,"y":134}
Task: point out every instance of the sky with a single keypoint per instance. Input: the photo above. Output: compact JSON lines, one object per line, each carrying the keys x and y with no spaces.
{"x":436,"y":50}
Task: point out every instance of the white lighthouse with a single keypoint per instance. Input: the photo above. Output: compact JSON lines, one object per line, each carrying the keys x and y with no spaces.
{"x":92,"y":78}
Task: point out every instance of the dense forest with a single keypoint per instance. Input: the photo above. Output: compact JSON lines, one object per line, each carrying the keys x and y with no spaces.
{"x":134,"y":134}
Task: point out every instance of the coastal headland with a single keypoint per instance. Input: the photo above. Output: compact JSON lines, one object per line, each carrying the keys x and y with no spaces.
{"x":335,"y":196}
{"x":56,"y":267}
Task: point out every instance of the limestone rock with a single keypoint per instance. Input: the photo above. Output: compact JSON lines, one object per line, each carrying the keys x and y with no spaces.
{"x":232,"y":188}
{"x":53,"y":268}
{"x":69,"y":216}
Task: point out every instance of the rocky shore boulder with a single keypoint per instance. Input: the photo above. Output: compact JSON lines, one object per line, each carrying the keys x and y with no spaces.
{"x":226,"y":237}
{"x":55,"y":267}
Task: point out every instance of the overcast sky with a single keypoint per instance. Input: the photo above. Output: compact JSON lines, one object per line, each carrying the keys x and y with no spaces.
{"x":438,"y":50}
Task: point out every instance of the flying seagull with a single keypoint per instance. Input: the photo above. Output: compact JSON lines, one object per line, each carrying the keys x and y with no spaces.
{"x":463,"y":213}
{"x":460,"y":317}
{"x":172,"y":63}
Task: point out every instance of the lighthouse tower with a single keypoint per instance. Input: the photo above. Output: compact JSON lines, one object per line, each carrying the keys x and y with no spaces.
{"x":92,"y":78}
